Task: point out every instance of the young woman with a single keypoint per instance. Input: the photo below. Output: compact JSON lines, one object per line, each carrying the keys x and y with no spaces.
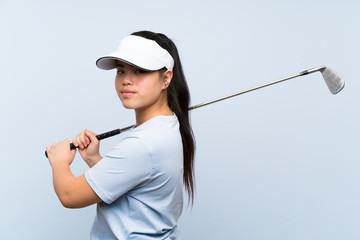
{"x":138,"y":185}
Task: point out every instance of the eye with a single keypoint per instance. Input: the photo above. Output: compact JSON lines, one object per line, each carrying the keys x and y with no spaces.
{"x":140,"y":71}
{"x":119,"y":71}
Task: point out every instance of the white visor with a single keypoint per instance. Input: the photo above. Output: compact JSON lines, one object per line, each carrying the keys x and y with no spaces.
{"x":139,"y":52}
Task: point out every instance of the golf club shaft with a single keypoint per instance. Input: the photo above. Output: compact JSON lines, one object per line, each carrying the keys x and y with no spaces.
{"x":120,"y":130}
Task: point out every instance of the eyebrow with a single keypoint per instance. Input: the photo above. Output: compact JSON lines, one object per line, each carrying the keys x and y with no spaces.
{"x":119,"y":65}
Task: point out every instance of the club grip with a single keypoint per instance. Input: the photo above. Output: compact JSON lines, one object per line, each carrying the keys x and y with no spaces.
{"x":99,"y":137}
{"x":108,"y":134}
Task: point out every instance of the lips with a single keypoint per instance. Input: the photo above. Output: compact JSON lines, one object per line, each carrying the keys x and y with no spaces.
{"x":127,"y":93}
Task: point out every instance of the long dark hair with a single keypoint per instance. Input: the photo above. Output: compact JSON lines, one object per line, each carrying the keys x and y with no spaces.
{"x":178,"y":97}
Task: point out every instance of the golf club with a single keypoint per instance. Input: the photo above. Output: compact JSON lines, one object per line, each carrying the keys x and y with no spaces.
{"x":334,"y":82}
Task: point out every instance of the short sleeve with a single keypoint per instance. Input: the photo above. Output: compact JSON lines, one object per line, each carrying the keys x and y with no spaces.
{"x":122,"y":169}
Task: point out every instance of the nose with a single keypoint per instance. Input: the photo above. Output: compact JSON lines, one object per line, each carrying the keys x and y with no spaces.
{"x":127,"y":79}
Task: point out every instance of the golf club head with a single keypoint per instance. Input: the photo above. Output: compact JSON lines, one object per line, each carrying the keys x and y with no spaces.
{"x":333,"y":80}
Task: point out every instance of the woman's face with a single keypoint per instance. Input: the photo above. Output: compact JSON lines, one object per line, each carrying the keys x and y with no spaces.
{"x":139,"y":89}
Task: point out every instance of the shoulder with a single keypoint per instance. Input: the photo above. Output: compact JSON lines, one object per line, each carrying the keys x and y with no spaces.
{"x":162,"y":139}
{"x":159,"y":128}
{"x":132,"y":146}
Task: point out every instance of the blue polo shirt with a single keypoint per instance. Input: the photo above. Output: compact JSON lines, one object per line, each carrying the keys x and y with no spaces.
{"x":140,"y":182}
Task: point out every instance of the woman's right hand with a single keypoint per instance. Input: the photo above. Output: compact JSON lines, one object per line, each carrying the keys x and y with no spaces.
{"x":88,"y":146}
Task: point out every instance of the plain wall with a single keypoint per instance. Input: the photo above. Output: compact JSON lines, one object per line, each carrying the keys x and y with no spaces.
{"x":278,"y":163}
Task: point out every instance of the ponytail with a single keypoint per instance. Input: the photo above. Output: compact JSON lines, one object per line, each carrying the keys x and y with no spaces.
{"x":178,"y":97}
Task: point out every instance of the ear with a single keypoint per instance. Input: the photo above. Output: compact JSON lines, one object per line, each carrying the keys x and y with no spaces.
{"x":167,"y":76}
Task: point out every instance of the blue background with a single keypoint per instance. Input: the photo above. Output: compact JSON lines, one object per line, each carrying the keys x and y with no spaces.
{"x":278,"y":163}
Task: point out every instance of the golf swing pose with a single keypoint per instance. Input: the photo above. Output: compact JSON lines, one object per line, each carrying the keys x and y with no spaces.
{"x":138,"y":185}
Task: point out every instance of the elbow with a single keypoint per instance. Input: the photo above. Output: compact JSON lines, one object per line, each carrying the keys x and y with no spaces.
{"x":66,"y":205}
{"x":72,"y":202}
{"x":66,"y":201}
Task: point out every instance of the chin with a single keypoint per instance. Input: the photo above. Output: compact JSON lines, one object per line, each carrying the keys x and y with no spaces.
{"x":127,"y":106}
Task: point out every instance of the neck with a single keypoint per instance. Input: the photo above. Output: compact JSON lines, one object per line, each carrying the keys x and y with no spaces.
{"x":143,"y":115}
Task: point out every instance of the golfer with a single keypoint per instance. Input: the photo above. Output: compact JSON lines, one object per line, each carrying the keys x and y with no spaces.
{"x":138,"y":185}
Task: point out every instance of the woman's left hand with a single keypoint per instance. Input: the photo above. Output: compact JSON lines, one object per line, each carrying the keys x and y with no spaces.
{"x":60,"y":152}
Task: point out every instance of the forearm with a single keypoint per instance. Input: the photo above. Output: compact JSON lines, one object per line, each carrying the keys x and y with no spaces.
{"x":93,"y":161}
{"x":62,"y":177}
{"x":73,"y":192}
